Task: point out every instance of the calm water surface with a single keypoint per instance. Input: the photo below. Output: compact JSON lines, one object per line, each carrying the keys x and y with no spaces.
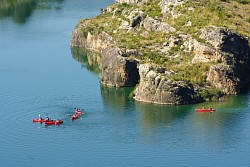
{"x":38,"y":74}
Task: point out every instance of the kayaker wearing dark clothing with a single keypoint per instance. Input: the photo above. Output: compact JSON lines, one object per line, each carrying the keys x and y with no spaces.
{"x":46,"y":118}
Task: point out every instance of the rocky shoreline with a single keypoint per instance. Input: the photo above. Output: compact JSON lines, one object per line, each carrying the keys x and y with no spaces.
{"x":187,"y":68}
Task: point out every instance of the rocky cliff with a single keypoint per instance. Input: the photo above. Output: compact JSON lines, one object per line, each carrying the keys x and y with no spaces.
{"x":173,"y":51}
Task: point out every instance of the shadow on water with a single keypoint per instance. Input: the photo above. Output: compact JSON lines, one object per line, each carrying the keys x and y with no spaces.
{"x":89,"y":60}
{"x":155,"y":118}
{"x":152,"y":114}
{"x":21,"y":10}
{"x":117,"y":99}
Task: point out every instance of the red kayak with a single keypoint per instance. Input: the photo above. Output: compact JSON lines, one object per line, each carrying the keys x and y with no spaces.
{"x":39,"y":120}
{"x":74,"y":116}
{"x":51,"y":122}
{"x":78,"y":112}
{"x":205,"y":110}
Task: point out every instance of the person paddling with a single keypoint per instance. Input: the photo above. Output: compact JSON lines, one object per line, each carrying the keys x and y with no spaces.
{"x":46,"y":118}
{"x":39,"y":117}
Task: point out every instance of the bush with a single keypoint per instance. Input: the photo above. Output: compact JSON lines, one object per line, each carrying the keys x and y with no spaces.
{"x":191,"y":73}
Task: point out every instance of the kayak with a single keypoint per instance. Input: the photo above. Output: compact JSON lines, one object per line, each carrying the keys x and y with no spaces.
{"x":78,"y":112}
{"x":74,"y":116}
{"x":39,"y":120}
{"x":205,"y":110}
{"x":51,"y":122}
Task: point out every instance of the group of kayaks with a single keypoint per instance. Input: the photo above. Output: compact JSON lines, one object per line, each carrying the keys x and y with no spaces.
{"x":48,"y":121}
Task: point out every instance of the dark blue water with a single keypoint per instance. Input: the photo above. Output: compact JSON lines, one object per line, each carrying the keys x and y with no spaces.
{"x":38,"y":75}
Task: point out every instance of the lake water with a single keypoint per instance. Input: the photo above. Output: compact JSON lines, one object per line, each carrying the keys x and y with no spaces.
{"x":38,"y":75}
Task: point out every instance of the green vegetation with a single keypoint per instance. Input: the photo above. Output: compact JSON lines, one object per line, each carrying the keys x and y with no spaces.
{"x":122,"y":7}
{"x":248,"y":20}
{"x":155,"y":57}
{"x":230,"y":14}
{"x":210,"y":94}
{"x":152,"y":9}
{"x":191,"y":73}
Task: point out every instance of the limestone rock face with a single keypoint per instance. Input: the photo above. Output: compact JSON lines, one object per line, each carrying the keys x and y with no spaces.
{"x":233,"y":75}
{"x":118,"y":71}
{"x":154,"y":87}
{"x":89,"y":41}
{"x":222,"y":77}
{"x":151,"y":24}
{"x":115,"y":70}
{"x":203,"y":53}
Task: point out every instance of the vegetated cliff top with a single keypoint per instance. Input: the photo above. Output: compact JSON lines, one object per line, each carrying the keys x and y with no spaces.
{"x":161,"y":31}
{"x":186,"y":16}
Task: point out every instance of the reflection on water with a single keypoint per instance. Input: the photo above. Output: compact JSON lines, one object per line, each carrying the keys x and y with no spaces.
{"x":152,"y":114}
{"x":156,"y":119}
{"x":48,"y":4}
{"x":89,"y":60}
{"x":21,"y":10}
{"x":117,"y":99}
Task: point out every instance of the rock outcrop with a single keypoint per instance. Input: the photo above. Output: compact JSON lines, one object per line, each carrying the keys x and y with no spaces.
{"x":115,"y":70}
{"x":118,"y":71}
{"x":153,"y":45}
{"x":89,"y":41}
{"x":155,"y":87}
{"x":232,"y":75}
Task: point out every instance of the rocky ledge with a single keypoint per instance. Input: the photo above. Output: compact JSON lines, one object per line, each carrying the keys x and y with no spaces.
{"x":168,"y":53}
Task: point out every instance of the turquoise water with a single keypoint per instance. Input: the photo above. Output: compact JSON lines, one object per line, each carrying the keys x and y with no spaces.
{"x":38,"y":74}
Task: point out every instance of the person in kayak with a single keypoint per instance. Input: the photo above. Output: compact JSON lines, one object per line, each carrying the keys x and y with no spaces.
{"x":39,"y":117}
{"x":46,"y":118}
